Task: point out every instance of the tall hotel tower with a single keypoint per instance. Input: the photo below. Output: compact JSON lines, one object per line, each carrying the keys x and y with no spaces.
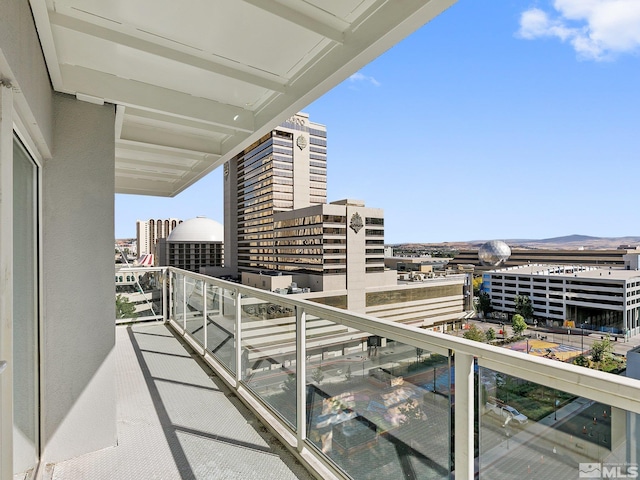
{"x":148,"y":232}
{"x":284,"y":170}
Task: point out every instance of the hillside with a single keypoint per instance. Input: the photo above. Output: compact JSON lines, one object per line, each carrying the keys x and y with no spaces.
{"x":568,"y":242}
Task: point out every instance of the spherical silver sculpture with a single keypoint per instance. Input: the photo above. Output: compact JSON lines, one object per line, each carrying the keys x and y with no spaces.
{"x":494,"y":253}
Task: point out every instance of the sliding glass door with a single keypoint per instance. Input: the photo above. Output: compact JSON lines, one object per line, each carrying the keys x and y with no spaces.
{"x":25,"y":310}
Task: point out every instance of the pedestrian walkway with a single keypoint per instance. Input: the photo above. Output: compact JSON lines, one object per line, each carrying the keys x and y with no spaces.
{"x":177,"y":420}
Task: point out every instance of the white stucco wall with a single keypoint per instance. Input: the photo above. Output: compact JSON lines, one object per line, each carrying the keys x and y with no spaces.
{"x":22,"y":63}
{"x":75,"y":143}
{"x":78,"y":375}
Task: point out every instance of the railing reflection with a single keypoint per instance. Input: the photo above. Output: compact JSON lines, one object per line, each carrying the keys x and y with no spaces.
{"x":139,"y":294}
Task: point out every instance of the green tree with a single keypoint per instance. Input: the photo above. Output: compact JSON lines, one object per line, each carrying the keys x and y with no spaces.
{"x":412,"y":412}
{"x":601,"y":350}
{"x":477,"y":283}
{"x":484,"y":303}
{"x":474,"y":333}
{"x":419,"y":353}
{"x":289,"y":384}
{"x":523,"y":306}
{"x":581,"y":361}
{"x":491,"y":334}
{"x":518,"y":324}
{"x":317,"y":375}
{"x":125,"y":308}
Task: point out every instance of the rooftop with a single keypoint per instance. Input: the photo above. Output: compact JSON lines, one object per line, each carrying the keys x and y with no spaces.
{"x":568,"y":271}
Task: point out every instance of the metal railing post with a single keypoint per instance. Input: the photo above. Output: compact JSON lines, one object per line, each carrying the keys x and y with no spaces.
{"x":166,"y":278}
{"x":204,"y":312}
{"x":184,"y":302}
{"x":238,"y":327}
{"x":301,"y":374}
{"x":464,"y":439}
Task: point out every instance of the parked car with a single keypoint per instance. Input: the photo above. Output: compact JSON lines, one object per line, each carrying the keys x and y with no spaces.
{"x":506,"y":412}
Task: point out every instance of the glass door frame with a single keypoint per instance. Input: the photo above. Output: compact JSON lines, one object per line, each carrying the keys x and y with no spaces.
{"x":14,"y":127}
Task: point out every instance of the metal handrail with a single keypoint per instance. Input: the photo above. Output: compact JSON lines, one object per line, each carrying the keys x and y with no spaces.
{"x":615,"y":390}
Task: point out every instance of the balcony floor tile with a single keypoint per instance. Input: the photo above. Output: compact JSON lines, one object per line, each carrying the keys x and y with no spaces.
{"x":176,"y":420}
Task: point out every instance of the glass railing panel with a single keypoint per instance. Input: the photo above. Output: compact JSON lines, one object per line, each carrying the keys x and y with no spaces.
{"x":178,"y":298}
{"x":378,"y":408}
{"x":195,"y":302}
{"x":269,"y":354}
{"x":221,"y":325}
{"x":138,"y":295}
{"x":529,"y":430}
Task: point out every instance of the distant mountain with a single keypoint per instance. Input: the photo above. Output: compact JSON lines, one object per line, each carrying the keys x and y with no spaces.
{"x":569,"y":239}
{"x":578,"y":241}
{"x":574,"y":241}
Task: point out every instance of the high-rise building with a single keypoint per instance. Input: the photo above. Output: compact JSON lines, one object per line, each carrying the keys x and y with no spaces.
{"x":148,"y":232}
{"x":282,"y":235}
{"x":333,"y":247}
{"x":285,"y":170}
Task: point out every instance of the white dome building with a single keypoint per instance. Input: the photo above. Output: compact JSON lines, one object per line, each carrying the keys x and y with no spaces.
{"x":199,"y":229}
{"x":192,"y":245}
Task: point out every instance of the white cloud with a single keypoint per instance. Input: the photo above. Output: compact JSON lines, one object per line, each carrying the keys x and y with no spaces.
{"x":359,"y":77}
{"x":596,"y":29}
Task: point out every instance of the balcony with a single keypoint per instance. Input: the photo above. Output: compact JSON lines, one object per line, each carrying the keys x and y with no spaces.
{"x":347,"y":395}
{"x":176,"y":419}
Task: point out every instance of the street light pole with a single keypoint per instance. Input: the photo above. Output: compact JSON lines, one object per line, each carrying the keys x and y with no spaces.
{"x":434,"y":380}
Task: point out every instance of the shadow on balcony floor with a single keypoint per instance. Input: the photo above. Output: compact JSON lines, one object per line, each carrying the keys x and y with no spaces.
{"x":177,"y":420}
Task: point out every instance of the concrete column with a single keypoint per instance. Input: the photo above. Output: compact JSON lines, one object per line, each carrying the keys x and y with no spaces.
{"x":301,"y":173}
{"x":231,"y":216}
{"x":356,"y":266}
{"x":78,"y":362}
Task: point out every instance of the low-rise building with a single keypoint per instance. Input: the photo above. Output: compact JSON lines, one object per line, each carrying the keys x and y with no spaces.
{"x":550,"y":256}
{"x":592,"y":298}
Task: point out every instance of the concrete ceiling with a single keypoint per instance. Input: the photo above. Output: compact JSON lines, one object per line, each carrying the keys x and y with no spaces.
{"x":196,"y":81}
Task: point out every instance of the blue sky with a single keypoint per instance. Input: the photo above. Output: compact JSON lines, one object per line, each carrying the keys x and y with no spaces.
{"x":499,"y":119}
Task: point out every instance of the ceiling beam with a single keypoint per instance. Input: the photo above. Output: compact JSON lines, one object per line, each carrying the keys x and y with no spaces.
{"x":167,"y":138}
{"x":141,"y":186}
{"x":298,"y":18}
{"x":123,"y":161}
{"x":45,"y":35}
{"x":122,"y":91}
{"x":134,"y":113}
{"x":153,"y":48}
{"x":132,"y":173}
{"x":152,"y":151}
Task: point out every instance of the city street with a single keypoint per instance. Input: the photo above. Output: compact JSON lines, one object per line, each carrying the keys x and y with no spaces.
{"x":551,"y":448}
{"x":560,"y":336}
